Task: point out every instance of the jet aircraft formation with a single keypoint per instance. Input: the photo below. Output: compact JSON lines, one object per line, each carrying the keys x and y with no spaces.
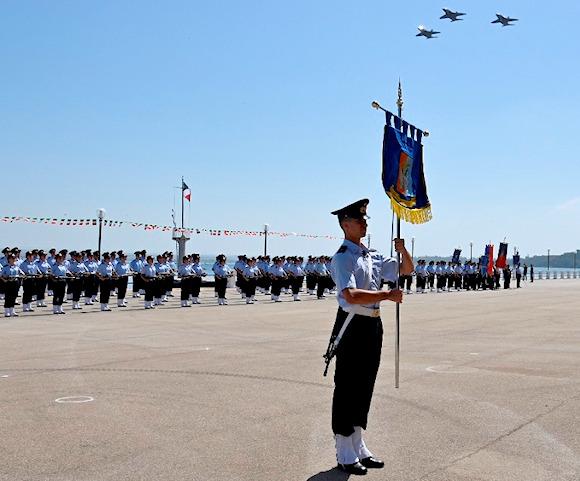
{"x":456,"y":17}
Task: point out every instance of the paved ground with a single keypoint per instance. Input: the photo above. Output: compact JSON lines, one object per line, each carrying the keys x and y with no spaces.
{"x":490,"y":390}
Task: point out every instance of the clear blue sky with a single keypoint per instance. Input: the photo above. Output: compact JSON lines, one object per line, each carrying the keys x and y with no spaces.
{"x":264,"y":107}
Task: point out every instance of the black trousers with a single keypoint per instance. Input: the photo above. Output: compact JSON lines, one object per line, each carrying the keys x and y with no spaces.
{"x":41,"y":288}
{"x":122,"y":283}
{"x":185,"y":287}
{"x":137,"y":284}
{"x":10,"y":292}
{"x":105,"y":285}
{"x":251,"y":287}
{"x":276,"y":286}
{"x":322,"y":284}
{"x":357,"y":362}
{"x":58,"y":289}
{"x":310,"y":282}
{"x":431,"y":281}
{"x":28,"y":289}
{"x":518,"y":280}
{"x":221,"y":285}
{"x":76,"y":287}
{"x":91,"y":285}
{"x":297,"y":284}
{"x":149,"y":287}
{"x":195,"y":286}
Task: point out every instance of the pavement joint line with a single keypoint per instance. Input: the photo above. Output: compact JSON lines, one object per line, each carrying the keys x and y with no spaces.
{"x":177,"y":371}
{"x":500,"y":437}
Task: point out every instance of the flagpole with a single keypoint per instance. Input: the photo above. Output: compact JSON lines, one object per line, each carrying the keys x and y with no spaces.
{"x":400,"y":104}
{"x":182,"y":197}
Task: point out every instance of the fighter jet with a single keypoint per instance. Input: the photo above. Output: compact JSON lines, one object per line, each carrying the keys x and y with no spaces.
{"x":423,"y":32}
{"x":505,"y":21}
{"x":451,"y":15}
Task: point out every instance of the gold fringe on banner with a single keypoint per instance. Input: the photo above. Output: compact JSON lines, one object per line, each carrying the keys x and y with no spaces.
{"x":414,"y":216}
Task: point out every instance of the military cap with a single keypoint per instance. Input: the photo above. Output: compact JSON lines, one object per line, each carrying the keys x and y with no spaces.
{"x":5,"y":250}
{"x":356,"y":210}
{"x":41,"y":253}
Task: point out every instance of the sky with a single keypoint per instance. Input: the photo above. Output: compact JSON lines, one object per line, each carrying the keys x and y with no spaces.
{"x":264,"y":108}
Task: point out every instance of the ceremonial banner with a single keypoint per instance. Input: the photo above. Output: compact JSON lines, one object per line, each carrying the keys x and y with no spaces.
{"x":489,"y":255}
{"x":516,"y":260}
{"x":403,"y":176}
{"x":483,"y":261}
{"x":501,"y":261}
{"x":456,"y":254}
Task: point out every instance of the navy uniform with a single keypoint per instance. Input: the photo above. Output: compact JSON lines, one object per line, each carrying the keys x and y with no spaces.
{"x":30,"y":272}
{"x":297,"y":272}
{"x":358,"y":274}
{"x":222,"y":271}
{"x":136,"y":265}
{"x":186,"y":275}
{"x":3,"y":262}
{"x":122,"y":273}
{"x":251,"y":275}
{"x":278,"y":276}
{"x":105,"y":276}
{"x":91,"y":282}
{"x":80,"y":272}
{"x":10,"y":276}
{"x":58,"y":274}
{"x":148,"y":281}
{"x":42,"y":281}
{"x":198,"y":273}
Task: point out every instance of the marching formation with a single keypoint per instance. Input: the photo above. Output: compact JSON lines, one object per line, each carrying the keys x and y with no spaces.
{"x":74,"y":276}
{"x":82,"y":277}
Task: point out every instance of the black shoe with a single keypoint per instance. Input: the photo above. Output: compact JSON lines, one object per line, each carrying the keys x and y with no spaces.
{"x":371,"y":462}
{"x":357,"y":469}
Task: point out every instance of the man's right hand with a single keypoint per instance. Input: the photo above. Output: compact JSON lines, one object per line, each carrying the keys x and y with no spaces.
{"x":395,"y":295}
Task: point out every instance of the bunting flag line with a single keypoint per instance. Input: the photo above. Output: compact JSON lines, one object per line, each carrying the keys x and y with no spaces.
{"x":69,"y":222}
{"x":502,"y":253}
{"x":403,"y":175}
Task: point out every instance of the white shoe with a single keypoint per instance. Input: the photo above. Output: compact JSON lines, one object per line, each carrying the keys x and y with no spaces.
{"x":13,"y":312}
{"x":225,"y":301}
{"x":55,"y":310}
{"x":105,"y":307}
{"x":296,"y":298}
{"x":184,"y":304}
{"x":7,"y":312}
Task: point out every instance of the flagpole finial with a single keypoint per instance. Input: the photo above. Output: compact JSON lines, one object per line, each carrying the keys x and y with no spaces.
{"x":400,"y":102}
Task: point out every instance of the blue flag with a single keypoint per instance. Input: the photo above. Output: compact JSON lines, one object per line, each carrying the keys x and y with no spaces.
{"x":403,"y":175}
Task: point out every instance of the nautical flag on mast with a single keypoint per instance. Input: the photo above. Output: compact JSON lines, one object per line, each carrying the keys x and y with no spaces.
{"x":403,"y":175}
{"x":186,"y":191}
{"x":502,"y":253}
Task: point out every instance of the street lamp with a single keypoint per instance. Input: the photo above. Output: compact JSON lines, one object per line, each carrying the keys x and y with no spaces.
{"x":470,"y":251}
{"x":548,"y":260}
{"x":101,"y":215}
{"x":266,"y":228}
{"x":412,"y":248}
{"x":369,"y":240}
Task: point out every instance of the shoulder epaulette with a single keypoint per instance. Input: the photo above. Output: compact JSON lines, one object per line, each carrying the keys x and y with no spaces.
{"x":342,"y":250}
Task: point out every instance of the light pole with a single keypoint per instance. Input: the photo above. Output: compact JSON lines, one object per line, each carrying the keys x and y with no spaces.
{"x":470,"y":251}
{"x":548,"y":260}
{"x":574,"y":263}
{"x":412,"y":248}
{"x":266,"y":228}
{"x":369,"y":241}
{"x":101,"y":215}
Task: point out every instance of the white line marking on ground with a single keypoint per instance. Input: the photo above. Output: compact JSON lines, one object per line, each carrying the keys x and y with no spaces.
{"x":74,"y":399}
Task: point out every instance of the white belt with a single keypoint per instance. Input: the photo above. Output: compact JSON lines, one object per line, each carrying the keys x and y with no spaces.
{"x":362,"y":311}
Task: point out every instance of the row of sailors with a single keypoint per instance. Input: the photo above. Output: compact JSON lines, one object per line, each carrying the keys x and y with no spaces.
{"x":281,"y":275}
{"x":446,"y":276}
{"x":82,"y":274}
